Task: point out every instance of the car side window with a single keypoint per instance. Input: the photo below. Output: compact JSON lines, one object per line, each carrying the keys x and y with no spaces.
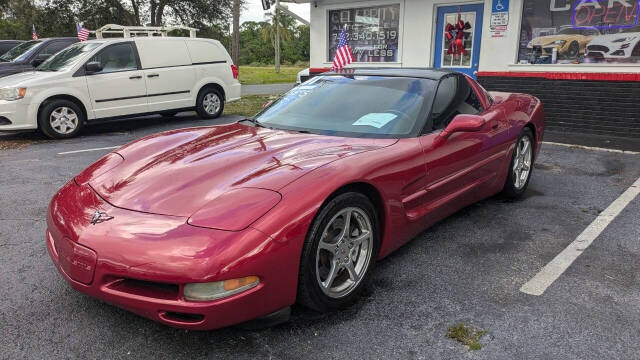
{"x":119,"y":57}
{"x":54,"y":47}
{"x":455,"y":96}
{"x":442,"y":101}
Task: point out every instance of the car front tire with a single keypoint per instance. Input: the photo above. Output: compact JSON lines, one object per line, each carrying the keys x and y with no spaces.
{"x":61,"y":119}
{"x":339,"y":253}
{"x":521,"y":166}
{"x":210,"y":103}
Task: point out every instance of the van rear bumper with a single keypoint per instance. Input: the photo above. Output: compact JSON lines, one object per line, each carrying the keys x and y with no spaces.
{"x":233,"y":92}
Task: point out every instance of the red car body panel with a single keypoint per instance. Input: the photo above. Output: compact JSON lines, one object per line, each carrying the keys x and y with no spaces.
{"x":169,"y":215}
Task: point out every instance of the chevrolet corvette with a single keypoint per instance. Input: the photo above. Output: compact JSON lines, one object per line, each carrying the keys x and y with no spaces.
{"x":206,"y":227}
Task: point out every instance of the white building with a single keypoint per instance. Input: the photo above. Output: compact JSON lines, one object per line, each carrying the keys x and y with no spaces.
{"x":581,"y":57}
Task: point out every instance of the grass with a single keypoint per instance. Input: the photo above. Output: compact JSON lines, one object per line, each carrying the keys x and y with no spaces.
{"x":253,"y":75}
{"x":466,"y":335}
{"x":247,"y":105}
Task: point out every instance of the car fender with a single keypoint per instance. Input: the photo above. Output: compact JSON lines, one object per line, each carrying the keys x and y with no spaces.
{"x":303,"y":198}
{"x":202,"y":82}
{"x":81,"y":94}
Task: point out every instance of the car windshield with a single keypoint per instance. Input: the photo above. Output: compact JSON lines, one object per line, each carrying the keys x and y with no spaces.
{"x":67,"y":58}
{"x":357,"y":106}
{"x":20,"y":52}
{"x":569,"y":31}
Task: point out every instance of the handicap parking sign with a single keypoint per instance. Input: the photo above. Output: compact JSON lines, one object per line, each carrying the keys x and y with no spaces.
{"x":500,"y":6}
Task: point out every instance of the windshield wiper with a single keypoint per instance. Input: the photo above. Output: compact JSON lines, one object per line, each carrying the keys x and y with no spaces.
{"x":254,"y":121}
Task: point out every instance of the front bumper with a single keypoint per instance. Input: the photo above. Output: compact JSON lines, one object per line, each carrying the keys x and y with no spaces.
{"x":21,"y":116}
{"x":140,"y":262}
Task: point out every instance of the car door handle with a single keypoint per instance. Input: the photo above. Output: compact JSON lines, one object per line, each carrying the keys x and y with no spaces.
{"x":135,"y":77}
{"x":153,"y":75}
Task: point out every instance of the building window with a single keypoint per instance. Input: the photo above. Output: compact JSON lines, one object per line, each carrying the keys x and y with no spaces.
{"x":580,"y":31}
{"x":373,"y":32}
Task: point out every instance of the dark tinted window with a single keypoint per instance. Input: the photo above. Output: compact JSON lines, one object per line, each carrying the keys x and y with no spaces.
{"x":55,"y":46}
{"x":455,"y":96}
{"x":21,"y":52}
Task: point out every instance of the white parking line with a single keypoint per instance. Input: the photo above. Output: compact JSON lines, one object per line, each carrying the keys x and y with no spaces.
{"x":591,"y":148}
{"x":550,"y":272}
{"x":87,"y":150}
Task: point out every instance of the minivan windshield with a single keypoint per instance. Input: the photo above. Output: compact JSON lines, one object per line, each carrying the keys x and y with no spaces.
{"x":356,"y":106}
{"x":67,"y":58}
{"x":20,"y":52}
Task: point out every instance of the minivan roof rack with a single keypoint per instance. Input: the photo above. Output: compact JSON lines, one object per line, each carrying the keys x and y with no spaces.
{"x":133,"y":31}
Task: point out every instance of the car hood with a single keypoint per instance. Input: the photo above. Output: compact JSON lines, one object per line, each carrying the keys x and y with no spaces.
{"x":8,"y":68}
{"x":178,"y":172}
{"x":544,"y":40}
{"x":27,"y":78}
{"x":607,"y":39}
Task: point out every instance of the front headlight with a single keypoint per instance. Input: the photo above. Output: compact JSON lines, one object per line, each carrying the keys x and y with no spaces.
{"x":11,"y":94}
{"x":219,"y":289}
{"x":619,"y":40}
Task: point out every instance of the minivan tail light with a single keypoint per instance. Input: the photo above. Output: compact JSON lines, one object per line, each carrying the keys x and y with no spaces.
{"x":234,"y":70}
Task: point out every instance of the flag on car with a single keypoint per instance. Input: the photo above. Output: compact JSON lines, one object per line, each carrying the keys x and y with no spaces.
{"x":34,"y":35}
{"x":343,"y":55}
{"x":83,"y":34}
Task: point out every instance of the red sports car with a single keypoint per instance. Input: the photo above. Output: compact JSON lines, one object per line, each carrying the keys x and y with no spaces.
{"x":206,"y":227}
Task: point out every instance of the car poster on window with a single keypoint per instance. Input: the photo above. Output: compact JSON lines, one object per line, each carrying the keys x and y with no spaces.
{"x":580,"y":31}
{"x":372,"y":32}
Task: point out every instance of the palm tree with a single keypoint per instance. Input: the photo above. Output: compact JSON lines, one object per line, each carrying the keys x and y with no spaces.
{"x":269,"y":31}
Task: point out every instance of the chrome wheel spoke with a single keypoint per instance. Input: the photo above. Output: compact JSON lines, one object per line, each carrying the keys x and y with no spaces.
{"x":353,"y":275}
{"x":360,"y":238}
{"x":331,"y":248}
{"x":344,"y":235}
{"x":332,"y":275}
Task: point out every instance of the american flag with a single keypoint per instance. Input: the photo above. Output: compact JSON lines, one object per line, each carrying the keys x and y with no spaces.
{"x":343,"y":56}
{"x":83,"y":34}
{"x":34,"y":35}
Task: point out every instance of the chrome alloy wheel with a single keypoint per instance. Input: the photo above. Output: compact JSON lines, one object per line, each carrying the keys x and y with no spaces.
{"x":211,"y":103}
{"x":522,"y":162}
{"x":63,"y":120}
{"x":344,"y":252}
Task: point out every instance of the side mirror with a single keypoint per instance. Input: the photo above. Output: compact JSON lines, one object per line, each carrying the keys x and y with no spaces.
{"x":464,"y":123}
{"x":39,"y":59}
{"x":93,"y":67}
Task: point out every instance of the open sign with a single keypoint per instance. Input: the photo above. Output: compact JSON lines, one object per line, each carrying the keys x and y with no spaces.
{"x":605,"y":14}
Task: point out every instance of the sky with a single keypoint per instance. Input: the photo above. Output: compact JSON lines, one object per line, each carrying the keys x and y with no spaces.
{"x":253,"y":10}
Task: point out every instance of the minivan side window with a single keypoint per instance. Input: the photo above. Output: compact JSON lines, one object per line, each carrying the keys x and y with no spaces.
{"x":119,"y":57}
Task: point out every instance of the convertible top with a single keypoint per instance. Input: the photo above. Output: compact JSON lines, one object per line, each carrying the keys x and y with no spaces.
{"x":424,"y":73}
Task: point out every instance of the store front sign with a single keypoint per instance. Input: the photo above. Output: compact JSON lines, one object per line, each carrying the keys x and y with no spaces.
{"x":372,"y":32}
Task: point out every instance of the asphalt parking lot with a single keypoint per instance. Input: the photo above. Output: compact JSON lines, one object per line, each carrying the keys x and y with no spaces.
{"x":467,"y":269}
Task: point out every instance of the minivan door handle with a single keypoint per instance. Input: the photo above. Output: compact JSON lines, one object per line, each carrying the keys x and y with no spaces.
{"x":135,"y":77}
{"x":153,"y":75}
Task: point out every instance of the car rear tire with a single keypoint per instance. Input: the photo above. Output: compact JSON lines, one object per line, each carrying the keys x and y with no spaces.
{"x":61,"y":119}
{"x":210,"y":103}
{"x":336,"y":264}
{"x":521,"y":166}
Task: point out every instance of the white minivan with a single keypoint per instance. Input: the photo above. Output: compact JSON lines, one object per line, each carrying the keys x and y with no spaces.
{"x":116,"y":78}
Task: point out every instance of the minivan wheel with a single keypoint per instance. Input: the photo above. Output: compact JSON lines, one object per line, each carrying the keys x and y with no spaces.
{"x":210,"y":103}
{"x":60,"y":119}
